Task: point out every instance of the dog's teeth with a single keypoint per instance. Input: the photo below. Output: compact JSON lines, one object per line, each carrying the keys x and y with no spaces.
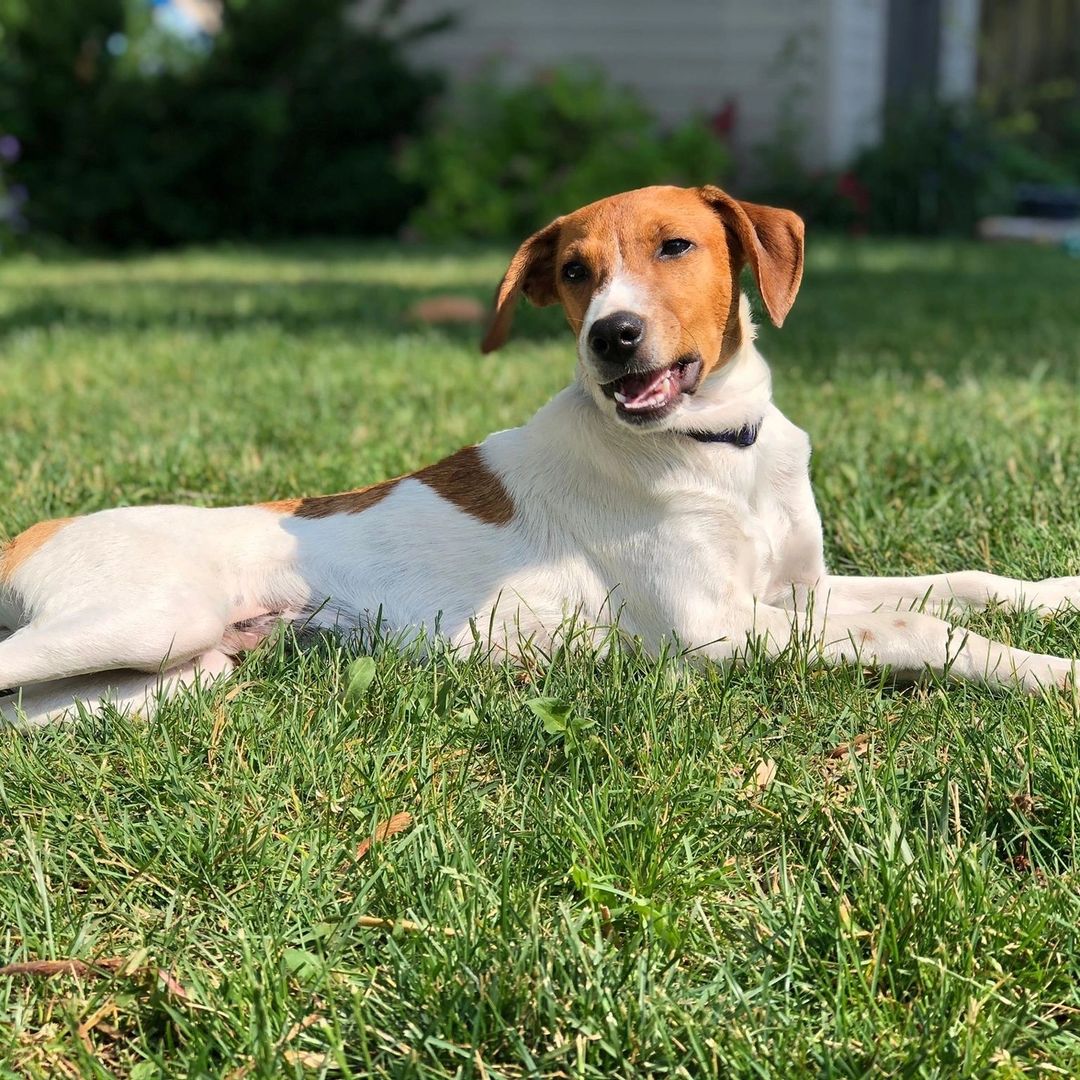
{"x":663,"y":390}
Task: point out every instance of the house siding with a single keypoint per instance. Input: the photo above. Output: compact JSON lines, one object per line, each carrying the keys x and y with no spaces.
{"x":681,"y":57}
{"x":958,"y":62}
{"x":808,"y":72}
{"x":856,"y":77}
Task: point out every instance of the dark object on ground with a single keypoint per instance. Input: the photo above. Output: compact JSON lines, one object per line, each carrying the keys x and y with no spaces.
{"x":1048,"y":201}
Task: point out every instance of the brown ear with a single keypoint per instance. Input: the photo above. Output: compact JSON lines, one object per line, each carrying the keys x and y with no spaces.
{"x":772,"y":241}
{"x":532,"y":272}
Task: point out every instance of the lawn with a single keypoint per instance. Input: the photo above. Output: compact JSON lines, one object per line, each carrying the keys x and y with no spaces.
{"x":771,"y":871}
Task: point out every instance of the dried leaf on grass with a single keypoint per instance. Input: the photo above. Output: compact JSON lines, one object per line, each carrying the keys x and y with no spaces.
{"x":106,"y":965}
{"x":856,"y":746}
{"x":764,"y":774}
{"x":309,"y":1059}
{"x":606,"y":927}
{"x":375,"y":923}
{"x":95,"y":1018}
{"x":383,"y":831}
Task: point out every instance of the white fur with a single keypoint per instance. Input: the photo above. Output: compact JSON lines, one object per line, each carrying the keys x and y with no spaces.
{"x":621,"y":292}
{"x":705,"y":544}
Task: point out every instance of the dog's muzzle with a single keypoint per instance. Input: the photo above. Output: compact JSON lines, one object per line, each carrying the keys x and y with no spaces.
{"x":644,"y":396}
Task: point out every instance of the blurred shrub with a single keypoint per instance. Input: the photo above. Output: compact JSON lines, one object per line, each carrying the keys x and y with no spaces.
{"x":1044,"y":120}
{"x":827,"y":198}
{"x":936,"y":171}
{"x":502,"y":161}
{"x":940,"y":168}
{"x":12,"y":196}
{"x":288,"y":124}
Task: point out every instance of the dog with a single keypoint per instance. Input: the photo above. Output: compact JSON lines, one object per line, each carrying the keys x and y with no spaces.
{"x":662,"y":488}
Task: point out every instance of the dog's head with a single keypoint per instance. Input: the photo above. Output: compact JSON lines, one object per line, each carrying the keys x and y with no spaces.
{"x":649,"y":282}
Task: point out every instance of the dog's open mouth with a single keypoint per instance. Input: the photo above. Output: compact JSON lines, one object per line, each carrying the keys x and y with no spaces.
{"x":648,"y":395}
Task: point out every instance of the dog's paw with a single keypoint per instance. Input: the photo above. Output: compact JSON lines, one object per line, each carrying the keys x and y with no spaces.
{"x":1047,"y":674}
{"x":1054,"y":595}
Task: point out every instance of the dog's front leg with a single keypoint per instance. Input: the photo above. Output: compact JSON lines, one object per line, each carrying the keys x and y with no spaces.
{"x":966,"y":589}
{"x":910,"y":643}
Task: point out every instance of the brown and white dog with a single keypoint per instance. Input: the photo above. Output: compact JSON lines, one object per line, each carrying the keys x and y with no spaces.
{"x":663,"y":486}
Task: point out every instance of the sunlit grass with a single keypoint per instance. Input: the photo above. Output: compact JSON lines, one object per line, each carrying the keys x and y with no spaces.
{"x":772,"y":871}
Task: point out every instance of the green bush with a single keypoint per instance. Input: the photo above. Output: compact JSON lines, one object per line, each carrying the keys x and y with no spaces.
{"x":936,"y":171}
{"x":827,"y":198}
{"x":11,"y":196}
{"x":940,"y":168}
{"x":287,"y":125}
{"x":500,"y":160}
{"x":1043,"y":121}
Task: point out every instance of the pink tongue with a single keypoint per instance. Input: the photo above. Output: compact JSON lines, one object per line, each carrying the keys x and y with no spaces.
{"x":637,"y":387}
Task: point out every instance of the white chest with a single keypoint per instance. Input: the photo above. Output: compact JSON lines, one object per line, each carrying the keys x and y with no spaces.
{"x":673,"y":535}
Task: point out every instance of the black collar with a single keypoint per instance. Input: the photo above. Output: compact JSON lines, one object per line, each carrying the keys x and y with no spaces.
{"x":742,"y":437}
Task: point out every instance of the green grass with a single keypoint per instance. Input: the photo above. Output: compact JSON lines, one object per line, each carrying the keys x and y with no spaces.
{"x":696,"y":878}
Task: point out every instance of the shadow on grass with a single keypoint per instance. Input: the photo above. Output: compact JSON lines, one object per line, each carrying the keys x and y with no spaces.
{"x":941,"y":319}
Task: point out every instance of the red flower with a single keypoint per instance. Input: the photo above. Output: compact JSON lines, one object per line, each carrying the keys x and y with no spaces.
{"x":850,"y":187}
{"x":722,"y":122}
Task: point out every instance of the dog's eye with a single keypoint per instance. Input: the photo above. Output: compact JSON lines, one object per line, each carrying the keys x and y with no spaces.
{"x":575,"y":271}
{"x":672,"y":249}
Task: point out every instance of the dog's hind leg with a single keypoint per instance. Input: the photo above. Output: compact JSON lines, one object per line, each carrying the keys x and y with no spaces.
{"x":910,"y":644}
{"x":961,"y":589}
{"x":126,"y":691}
{"x":103,"y":639}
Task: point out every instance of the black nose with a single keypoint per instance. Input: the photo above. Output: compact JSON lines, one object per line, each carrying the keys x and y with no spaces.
{"x":616,"y":337}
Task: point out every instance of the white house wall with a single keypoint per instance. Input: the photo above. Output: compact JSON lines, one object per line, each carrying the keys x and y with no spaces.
{"x":809,"y":74}
{"x":856,"y":76}
{"x":958,"y":61}
{"x":682,"y":56}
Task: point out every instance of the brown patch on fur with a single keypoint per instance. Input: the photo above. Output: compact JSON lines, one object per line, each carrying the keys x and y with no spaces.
{"x":900,"y":624}
{"x":280,"y":506}
{"x":346,"y":502}
{"x":470,"y":485}
{"x":26,"y":543}
{"x":532,"y":271}
{"x":732,"y":339}
{"x":320,"y":506}
{"x":462,"y":479}
{"x":771,"y":242}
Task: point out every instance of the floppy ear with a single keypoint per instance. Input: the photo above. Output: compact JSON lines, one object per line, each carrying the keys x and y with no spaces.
{"x":532,"y":272}
{"x":772,"y":241}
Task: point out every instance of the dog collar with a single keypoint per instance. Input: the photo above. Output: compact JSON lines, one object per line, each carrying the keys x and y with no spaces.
{"x":743,"y":437}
